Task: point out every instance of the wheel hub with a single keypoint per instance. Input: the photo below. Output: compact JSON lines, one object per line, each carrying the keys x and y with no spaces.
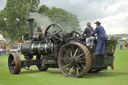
{"x":13,"y":63}
{"x":73,"y":61}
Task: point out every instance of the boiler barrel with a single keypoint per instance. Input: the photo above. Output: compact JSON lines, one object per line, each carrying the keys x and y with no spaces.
{"x":41,"y":48}
{"x":36,"y":48}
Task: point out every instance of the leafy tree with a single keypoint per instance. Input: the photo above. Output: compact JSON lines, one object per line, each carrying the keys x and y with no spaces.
{"x":67,"y":20}
{"x":2,"y":24}
{"x":15,"y":17}
{"x":44,"y":10}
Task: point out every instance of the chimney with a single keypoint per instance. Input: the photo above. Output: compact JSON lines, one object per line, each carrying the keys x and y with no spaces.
{"x":30,"y":21}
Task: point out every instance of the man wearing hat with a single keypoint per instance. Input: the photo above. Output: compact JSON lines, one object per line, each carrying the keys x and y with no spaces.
{"x":100,"y":49}
{"x":87,"y":34}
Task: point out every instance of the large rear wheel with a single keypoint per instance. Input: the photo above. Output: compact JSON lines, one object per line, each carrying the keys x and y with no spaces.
{"x":74,"y":59}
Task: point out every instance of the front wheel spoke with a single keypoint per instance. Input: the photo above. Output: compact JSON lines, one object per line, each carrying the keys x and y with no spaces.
{"x":12,"y":63}
{"x":12,"y":67}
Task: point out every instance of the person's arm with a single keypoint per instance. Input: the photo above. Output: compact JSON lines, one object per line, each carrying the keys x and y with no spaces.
{"x":95,"y":31}
{"x":85,"y":32}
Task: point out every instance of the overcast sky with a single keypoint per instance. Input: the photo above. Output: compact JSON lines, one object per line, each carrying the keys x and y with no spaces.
{"x":113,"y":14}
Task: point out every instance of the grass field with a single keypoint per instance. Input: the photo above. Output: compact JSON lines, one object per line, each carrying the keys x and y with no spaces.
{"x":118,"y":76}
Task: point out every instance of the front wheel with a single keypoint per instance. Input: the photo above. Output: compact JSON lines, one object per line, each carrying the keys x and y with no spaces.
{"x":14,"y":63}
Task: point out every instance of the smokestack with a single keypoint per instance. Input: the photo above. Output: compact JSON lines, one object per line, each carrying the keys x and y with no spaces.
{"x":30,"y":21}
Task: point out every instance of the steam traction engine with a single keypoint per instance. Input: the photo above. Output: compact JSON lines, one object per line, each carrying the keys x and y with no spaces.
{"x":66,"y":51}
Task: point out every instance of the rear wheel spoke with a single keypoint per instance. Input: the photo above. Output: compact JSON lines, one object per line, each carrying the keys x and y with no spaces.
{"x":80,"y":55}
{"x":82,"y":66}
{"x":65,"y":66}
{"x":71,"y":69}
{"x":77,"y":71}
{"x":76,"y":52}
{"x":82,"y":61}
{"x":67,"y":58}
{"x":66,"y":52}
{"x":72,"y":49}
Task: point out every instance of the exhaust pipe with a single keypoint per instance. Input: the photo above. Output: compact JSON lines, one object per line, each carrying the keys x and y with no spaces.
{"x":30,"y":21}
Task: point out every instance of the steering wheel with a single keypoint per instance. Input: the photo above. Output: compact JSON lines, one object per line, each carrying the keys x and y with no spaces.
{"x":54,"y":33}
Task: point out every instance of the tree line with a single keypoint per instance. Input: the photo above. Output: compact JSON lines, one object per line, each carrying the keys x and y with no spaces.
{"x":13,"y":18}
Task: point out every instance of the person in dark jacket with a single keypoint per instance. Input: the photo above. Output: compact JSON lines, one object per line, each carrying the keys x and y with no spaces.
{"x":100,"y":48}
{"x":87,"y":34}
{"x":88,"y":30}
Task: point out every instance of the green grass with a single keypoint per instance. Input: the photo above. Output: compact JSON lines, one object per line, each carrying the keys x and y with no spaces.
{"x":118,"y":76}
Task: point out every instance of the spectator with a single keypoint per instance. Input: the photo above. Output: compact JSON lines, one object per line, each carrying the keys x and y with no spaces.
{"x":125,"y":44}
{"x":121,"y":46}
{"x":2,"y":49}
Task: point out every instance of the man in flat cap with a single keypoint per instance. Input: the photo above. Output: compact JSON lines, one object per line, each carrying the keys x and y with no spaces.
{"x":100,"y":49}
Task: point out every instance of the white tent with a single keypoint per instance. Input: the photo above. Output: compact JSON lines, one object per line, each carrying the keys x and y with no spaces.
{"x":1,"y":37}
